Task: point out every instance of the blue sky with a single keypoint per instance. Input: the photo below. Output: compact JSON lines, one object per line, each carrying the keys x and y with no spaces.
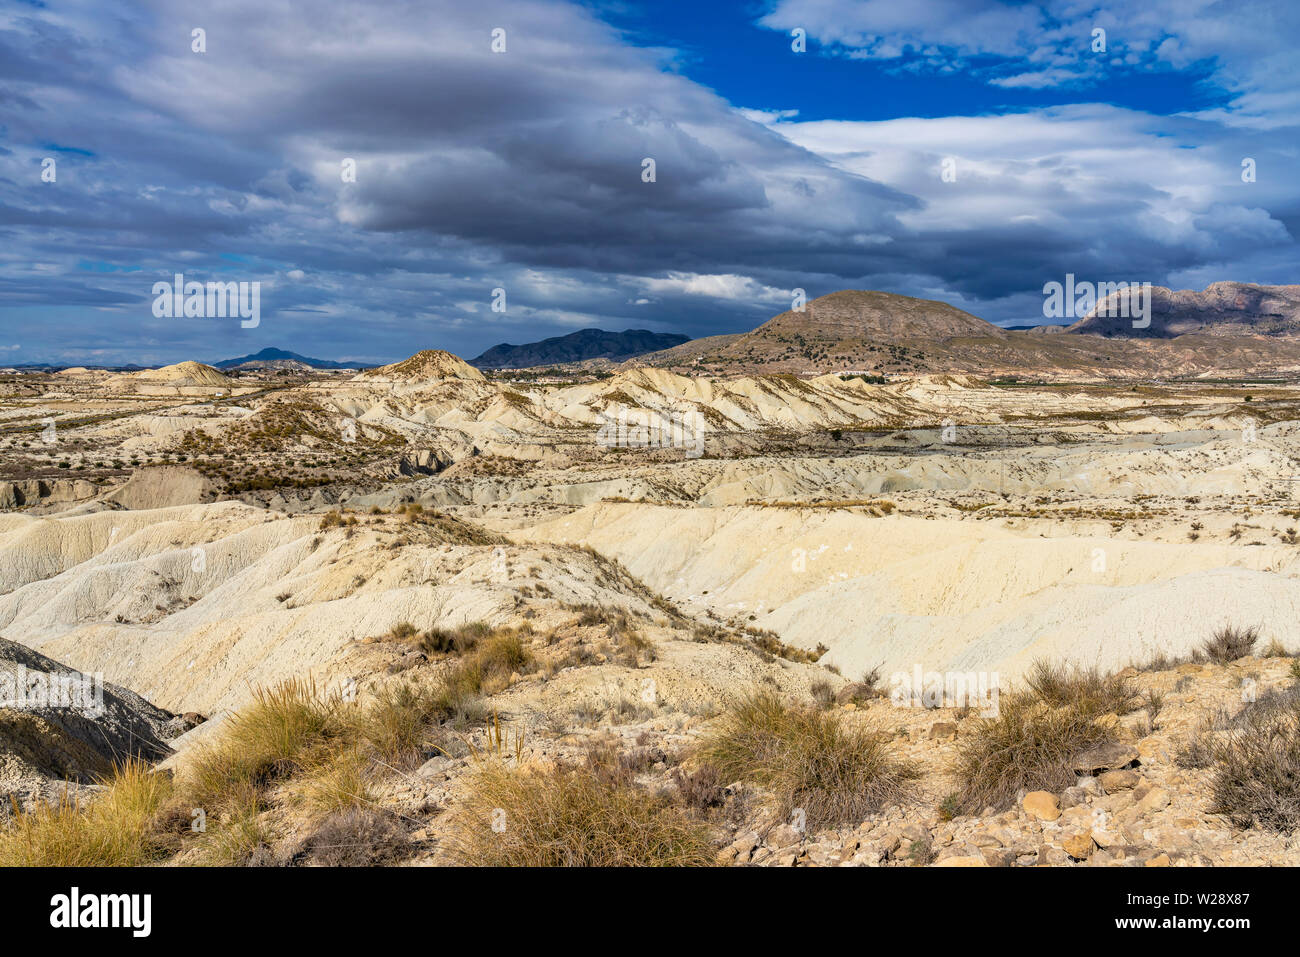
{"x":726,"y":47}
{"x":521,"y":170}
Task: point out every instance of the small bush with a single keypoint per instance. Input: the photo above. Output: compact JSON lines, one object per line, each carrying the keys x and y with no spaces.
{"x":1153,"y":703}
{"x":701,"y":789}
{"x":921,"y":853}
{"x":401,"y":631}
{"x":1256,"y":776}
{"x":1230,"y":643}
{"x":337,"y":784}
{"x":1038,"y":731}
{"x":502,"y":654}
{"x":1084,"y":688}
{"x":822,"y":693}
{"x":443,"y":641}
{"x":486,"y":670}
{"x":1195,"y":751}
{"x":1276,"y":649}
{"x":394,"y":725}
{"x":871,"y":681}
{"x":591,"y":614}
{"x":241,"y":839}
{"x":949,"y":807}
{"x":810,"y":759}
{"x":267,"y":740}
{"x":357,"y":837}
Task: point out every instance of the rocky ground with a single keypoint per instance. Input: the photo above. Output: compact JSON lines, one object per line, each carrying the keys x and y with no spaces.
{"x":1133,"y":804}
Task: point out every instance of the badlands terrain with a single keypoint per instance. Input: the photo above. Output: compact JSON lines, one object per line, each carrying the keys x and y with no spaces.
{"x":607,"y":582}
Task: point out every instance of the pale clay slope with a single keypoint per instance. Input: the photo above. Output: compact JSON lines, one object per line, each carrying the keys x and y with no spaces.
{"x":1013,"y":538}
{"x":83,"y":571}
{"x":1203,"y":462}
{"x":440,"y":404}
{"x":897,"y":591}
{"x":182,"y":375}
{"x":207,"y":655}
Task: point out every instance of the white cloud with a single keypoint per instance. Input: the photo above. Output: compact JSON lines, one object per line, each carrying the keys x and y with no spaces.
{"x":768,"y":116}
{"x":1242,"y":42}
{"x":713,"y":286}
{"x":1035,"y":81}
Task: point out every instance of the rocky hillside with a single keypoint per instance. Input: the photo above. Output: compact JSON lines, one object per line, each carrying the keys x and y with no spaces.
{"x":874,"y":316}
{"x":57,"y":726}
{"x":1221,"y":309}
{"x":424,"y":365}
{"x":184,"y":374}
{"x":578,"y":347}
{"x":898,"y":335}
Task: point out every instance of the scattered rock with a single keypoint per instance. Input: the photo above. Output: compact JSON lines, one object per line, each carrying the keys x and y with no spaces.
{"x":1079,"y":845}
{"x":1106,"y":757}
{"x":1112,"y":781}
{"x":1074,"y":797}
{"x":1041,"y":805}
{"x":434,"y":767}
{"x":943,"y":731}
{"x":784,"y":835}
{"x":998,"y":856}
{"x":1157,"y":799}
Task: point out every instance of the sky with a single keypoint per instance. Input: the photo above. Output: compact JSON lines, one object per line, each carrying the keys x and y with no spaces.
{"x":401,"y":175}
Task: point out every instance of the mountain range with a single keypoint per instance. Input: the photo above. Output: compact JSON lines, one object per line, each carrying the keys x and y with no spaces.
{"x":1228,"y":328}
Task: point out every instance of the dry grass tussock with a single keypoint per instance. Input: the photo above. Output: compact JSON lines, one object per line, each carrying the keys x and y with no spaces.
{"x":593,"y":814}
{"x":1038,"y":731}
{"x":809,"y":759}
{"x":125,"y":825}
{"x":291,"y":745}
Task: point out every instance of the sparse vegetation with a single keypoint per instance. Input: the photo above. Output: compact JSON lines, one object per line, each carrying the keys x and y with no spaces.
{"x":122,"y":826}
{"x":1061,"y":713}
{"x":485,"y":669}
{"x":1256,"y":764}
{"x":1230,"y":643}
{"x":808,"y":759}
{"x":573,"y":816}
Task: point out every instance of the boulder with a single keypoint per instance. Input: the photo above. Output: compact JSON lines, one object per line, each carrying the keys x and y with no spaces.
{"x":1041,"y":805}
{"x":1112,"y":781}
{"x":1079,"y":845}
{"x":1106,"y":757}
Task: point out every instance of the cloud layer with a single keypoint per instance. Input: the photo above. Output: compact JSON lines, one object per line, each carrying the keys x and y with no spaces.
{"x":525,"y":170}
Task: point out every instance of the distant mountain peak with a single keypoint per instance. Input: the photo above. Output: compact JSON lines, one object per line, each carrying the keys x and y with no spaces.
{"x":870,"y":314}
{"x":1220,"y":309}
{"x":577,"y":347}
{"x":271,"y":357}
{"x":425,"y":364}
